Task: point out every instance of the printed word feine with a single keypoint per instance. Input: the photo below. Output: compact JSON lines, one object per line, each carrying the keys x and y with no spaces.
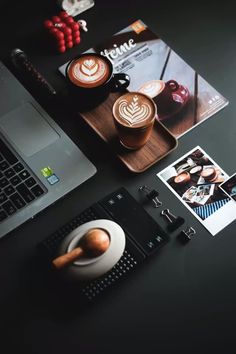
{"x":117,"y":51}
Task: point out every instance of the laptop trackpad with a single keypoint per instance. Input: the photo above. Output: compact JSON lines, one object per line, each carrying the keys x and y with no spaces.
{"x":27,"y":129}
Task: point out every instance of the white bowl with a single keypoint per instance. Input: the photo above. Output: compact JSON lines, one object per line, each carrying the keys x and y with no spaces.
{"x":92,"y":268}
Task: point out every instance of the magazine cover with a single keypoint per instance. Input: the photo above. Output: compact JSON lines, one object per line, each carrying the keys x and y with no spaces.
{"x":199,"y":183}
{"x":184,"y":99}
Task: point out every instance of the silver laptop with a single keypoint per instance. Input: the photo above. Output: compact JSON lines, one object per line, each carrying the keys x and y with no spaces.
{"x":38,"y":162}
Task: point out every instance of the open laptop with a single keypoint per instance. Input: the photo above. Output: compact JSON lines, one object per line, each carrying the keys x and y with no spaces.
{"x":38,"y":162}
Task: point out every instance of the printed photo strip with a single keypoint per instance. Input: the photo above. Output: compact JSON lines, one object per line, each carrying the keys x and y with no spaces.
{"x":197,"y":181}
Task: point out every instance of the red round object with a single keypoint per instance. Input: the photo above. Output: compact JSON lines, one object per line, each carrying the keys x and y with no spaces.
{"x":74,"y":26}
{"x":67,"y":31}
{"x":69,"y":20}
{"x":61,"y":43}
{"x":69,"y":44}
{"x":48,"y":24}
{"x":69,"y":38}
{"x":56,"y":19}
{"x":77,"y":40}
{"x":59,"y":35}
{"x":63,"y":15}
{"x":53,"y":31}
{"x":76,"y":34}
{"x":62,"y":49}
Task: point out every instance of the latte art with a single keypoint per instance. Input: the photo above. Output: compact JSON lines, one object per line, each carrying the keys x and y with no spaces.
{"x":152,"y":88}
{"x":89,"y":71}
{"x":134,"y":112}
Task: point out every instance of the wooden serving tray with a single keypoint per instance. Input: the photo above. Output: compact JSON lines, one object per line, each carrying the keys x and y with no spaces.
{"x":160,"y":144}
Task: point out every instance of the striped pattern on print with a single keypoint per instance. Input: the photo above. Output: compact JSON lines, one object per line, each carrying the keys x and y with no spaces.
{"x":206,"y":210}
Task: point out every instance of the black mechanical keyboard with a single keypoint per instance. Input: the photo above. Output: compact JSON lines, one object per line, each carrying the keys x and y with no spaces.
{"x":143,"y":237}
{"x":18,"y":186}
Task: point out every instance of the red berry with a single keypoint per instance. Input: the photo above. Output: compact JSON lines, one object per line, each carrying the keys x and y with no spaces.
{"x":74,"y":26}
{"x":77,"y":40}
{"x":63,"y":14}
{"x":60,"y":43}
{"x":59,"y":35}
{"x":48,"y":24}
{"x":69,"y":20}
{"x":76,"y":34}
{"x":56,"y":19}
{"x":69,"y":44}
{"x":62,"y":49}
{"x":67,"y":31}
{"x":53,"y":30}
{"x":68,"y":38}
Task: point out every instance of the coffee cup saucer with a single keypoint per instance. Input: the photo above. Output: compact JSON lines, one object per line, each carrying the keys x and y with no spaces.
{"x":86,"y":269}
{"x":180,"y":99}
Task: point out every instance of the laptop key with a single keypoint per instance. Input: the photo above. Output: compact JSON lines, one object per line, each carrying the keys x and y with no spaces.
{"x":1,"y":157}
{"x":3,"y":197}
{"x":37,"y":190}
{"x":9,"y":190}
{"x":3,"y":215}
{"x":25,"y":193}
{"x":3,"y":182}
{"x":6,"y":152}
{"x":1,"y":174}
{"x":9,"y":173}
{"x":17,"y":200}
{"x":4,"y":165}
{"x":18,"y":167}
{"x":15,"y":180}
{"x":9,"y":208}
{"x":24,"y":174}
{"x":30,"y":182}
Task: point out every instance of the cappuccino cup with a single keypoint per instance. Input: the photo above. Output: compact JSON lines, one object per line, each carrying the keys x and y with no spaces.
{"x":134,"y":115}
{"x":91,"y":79}
{"x":162,"y":94}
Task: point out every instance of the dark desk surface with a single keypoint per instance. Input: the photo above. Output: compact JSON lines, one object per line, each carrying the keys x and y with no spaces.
{"x":183,"y":299}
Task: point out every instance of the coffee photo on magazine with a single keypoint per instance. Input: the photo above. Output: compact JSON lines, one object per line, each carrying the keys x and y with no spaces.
{"x":195,"y":179}
{"x":229,"y":187}
{"x":183,"y":98}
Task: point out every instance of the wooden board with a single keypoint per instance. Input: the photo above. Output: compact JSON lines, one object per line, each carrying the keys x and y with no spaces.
{"x":161,"y":142}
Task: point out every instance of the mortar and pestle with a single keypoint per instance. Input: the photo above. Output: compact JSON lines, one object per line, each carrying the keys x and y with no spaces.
{"x":90,"y":250}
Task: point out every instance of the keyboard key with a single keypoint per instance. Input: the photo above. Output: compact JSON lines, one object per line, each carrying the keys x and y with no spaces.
{"x":4,"y":165}
{"x":17,"y":200}
{"x":1,"y":157}
{"x":9,"y":190}
{"x":3,"y":197}
{"x":37,"y":190}
{"x":18,"y":167}
{"x":9,"y":208}
{"x":6,"y":152}
{"x":24,"y":174}
{"x":3,"y":182}
{"x":25,"y":193}
{"x":15,"y":180}
{"x":30,"y":182}
{"x":9,"y":173}
{"x":1,"y":174}
{"x":3,"y":215}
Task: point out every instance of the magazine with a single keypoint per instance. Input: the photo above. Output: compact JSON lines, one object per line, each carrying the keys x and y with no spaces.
{"x":153,"y":66}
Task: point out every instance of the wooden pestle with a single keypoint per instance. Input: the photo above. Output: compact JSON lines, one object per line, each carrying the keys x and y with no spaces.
{"x":94,"y":243}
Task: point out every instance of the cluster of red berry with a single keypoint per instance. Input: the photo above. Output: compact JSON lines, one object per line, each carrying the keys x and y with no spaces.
{"x":64,"y":31}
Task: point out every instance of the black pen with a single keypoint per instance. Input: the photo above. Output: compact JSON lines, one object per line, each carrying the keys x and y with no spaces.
{"x":21,"y":62}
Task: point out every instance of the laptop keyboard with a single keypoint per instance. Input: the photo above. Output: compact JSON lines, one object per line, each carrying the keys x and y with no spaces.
{"x":18,"y":186}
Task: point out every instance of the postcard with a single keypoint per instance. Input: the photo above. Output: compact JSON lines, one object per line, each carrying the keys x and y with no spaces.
{"x":229,"y":187}
{"x":196,"y":180}
{"x":184,"y":99}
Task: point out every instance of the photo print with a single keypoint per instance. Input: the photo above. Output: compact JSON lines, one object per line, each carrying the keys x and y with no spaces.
{"x":229,"y":187}
{"x":197,"y":181}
